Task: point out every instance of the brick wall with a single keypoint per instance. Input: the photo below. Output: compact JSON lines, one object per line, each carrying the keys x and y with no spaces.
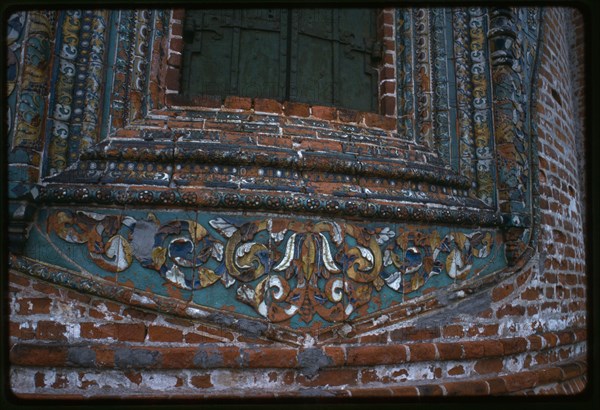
{"x":526,"y":335}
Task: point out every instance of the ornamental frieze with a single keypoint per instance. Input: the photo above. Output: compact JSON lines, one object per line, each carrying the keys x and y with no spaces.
{"x":284,"y":269}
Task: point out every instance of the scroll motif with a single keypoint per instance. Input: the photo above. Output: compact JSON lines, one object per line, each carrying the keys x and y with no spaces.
{"x":281,"y":268}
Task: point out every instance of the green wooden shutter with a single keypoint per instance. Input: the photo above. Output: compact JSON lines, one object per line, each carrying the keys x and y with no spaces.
{"x":317,"y":56}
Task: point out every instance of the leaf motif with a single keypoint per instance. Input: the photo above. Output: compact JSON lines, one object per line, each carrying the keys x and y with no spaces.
{"x":454,"y":263}
{"x":207,"y":277}
{"x":225,"y":228}
{"x":384,"y":235}
{"x":366,"y":253}
{"x":394,"y":281}
{"x":434,"y":240}
{"x":327,"y":258}
{"x":159,"y":257}
{"x":197,"y":231}
{"x":460,"y":239}
{"x":416,"y":282}
{"x":217,"y":251}
{"x":175,"y":276}
{"x":289,"y":254}
{"x":402,"y":240}
{"x":337,"y":233}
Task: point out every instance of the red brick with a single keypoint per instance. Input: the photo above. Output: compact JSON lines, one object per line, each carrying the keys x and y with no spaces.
{"x":32,"y":306}
{"x":422,"y":352}
{"x":39,"y":380}
{"x":466,"y":388}
{"x":178,"y":14}
{"x":430,"y":390}
{"x":324,"y":113}
{"x":413,"y":334}
{"x":208,"y":101}
{"x":497,"y":386}
{"x":139,"y":314}
{"x":89,"y":330}
{"x":449,"y":351}
{"x":487,"y":366}
{"x":346,"y":115}
{"x":164,"y":334}
{"x":520,"y":381}
{"x":380,"y":121}
{"x":267,"y":105}
{"x":75,"y":296}
{"x":551,"y":339}
{"x":453,"y":331}
{"x":297,"y":109}
{"x":20,"y":280}
{"x":134,"y":377}
{"x":336,"y":354}
{"x":510,"y":310}
{"x":172,"y":78}
{"x":388,"y":105}
{"x":502,"y":291}
{"x":51,"y":331}
{"x":514,"y":345}
{"x":178,"y":358}
{"x":374,"y":339}
{"x":532,"y":294}
{"x":268,"y":357}
{"x":456,"y":370}
{"x":38,"y":355}
{"x":535,"y":342}
{"x":201,"y":381}
{"x":371,"y":392}
{"x":550,"y":375}
{"x":492,"y":348}
{"x":375,"y":355}
{"x":483,"y":330}
{"x":238,"y":103}
{"x":105,"y":356}
{"x":195,"y":338}
{"x":130,"y":332}
{"x":333,"y":377}
{"x":472,"y":350}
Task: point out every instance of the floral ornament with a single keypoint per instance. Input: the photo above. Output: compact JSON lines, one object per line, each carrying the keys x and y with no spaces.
{"x":307,"y":279}
{"x":108,"y":249}
{"x":281,"y":268}
{"x":418,"y":256}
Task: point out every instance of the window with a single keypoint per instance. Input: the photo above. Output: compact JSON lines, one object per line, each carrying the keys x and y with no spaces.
{"x":317,"y":56}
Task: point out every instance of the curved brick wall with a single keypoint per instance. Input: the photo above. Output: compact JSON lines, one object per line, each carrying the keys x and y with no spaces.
{"x":525,"y":335}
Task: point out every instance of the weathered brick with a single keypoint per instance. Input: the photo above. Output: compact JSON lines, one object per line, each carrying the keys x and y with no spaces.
{"x":373,"y":355}
{"x":238,"y":103}
{"x":32,"y":306}
{"x":422,"y":352}
{"x":38,"y":356}
{"x":297,"y":109}
{"x":456,"y":370}
{"x":157,"y":333}
{"x":267,"y":105}
{"x":267,"y":357}
{"x":201,"y":381}
{"x":49,"y":330}
{"x":489,"y":365}
{"x":333,"y":377}
{"x":466,"y":388}
{"x":449,"y":351}
{"x":502,"y":291}
{"x":324,"y":113}
{"x":453,"y":331}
